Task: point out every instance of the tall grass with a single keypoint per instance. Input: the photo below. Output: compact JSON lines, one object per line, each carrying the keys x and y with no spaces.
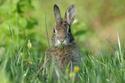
{"x":103,"y":68}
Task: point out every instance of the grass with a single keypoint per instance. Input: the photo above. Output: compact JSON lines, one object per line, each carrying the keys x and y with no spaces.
{"x":103,"y":68}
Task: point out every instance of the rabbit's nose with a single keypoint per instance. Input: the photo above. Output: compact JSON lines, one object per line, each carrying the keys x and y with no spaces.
{"x":61,"y":40}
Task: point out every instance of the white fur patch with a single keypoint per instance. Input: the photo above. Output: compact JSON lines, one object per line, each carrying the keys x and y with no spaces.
{"x":58,"y":43}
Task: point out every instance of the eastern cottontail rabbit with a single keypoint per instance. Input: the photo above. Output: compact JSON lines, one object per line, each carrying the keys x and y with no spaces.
{"x":64,"y":49}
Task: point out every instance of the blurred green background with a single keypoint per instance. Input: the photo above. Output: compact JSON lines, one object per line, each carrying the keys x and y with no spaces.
{"x":24,"y":25}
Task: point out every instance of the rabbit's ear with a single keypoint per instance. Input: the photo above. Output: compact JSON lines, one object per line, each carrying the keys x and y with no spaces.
{"x":70,"y":14}
{"x":57,"y":14}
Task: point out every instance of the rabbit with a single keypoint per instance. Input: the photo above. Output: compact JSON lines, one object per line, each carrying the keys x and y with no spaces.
{"x":64,"y":51}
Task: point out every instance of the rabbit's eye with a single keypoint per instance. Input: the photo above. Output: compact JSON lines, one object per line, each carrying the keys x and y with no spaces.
{"x":69,"y":30}
{"x":54,"y":30}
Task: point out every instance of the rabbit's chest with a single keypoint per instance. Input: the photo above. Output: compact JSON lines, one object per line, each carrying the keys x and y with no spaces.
{"x":62,"y":55}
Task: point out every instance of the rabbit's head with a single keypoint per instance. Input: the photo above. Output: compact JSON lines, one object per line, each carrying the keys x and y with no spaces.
{"x":62,"y":32}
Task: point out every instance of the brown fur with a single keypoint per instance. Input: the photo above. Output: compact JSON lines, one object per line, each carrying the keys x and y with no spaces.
{"x":64,"y":50}
{"x":65,"y":55}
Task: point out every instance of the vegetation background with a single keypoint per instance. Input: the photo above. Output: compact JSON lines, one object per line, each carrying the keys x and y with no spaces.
{"x":25,"y":32}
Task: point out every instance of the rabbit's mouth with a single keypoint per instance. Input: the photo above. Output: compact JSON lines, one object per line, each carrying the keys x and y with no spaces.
{"x":60,"y":43}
